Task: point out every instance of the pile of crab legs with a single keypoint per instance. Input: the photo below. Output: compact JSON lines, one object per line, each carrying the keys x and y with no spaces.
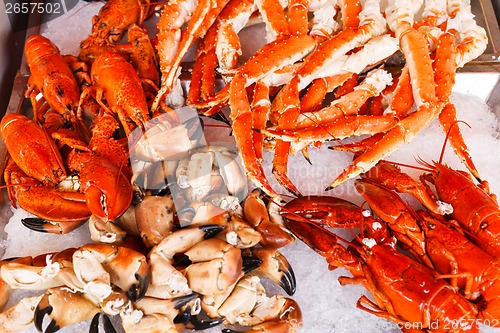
{"x":289,"y":77}
{"x":295,"y":57}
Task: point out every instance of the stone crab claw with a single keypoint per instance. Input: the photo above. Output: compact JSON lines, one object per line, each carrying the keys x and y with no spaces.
{"x":272,"y":230}
{"x":20,"y":316}
{"x":248,"y":305}
{"x":167,"y":139}
{"x":64,"y":308}
{"x":153,"y":314}
{"x":166,"y":280}
{"x":54,"y":227}
{"x":273,"y":266}
{"x":216,"y":265}
{"x":103,"y":265}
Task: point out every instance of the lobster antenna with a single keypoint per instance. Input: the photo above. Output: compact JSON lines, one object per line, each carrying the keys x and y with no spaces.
{"x":447,"y":136}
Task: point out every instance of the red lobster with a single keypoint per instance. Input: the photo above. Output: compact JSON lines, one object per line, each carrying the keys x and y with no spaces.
{"x":405,"y":291}
{"x":52,"y":76}
{"x":117,"y":81}
{"x":471,"y":205}
{"x":474,"y":271}
{"x":37,"y":167}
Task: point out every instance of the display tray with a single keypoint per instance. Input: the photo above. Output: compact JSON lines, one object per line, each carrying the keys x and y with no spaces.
{"x":327,"y":307}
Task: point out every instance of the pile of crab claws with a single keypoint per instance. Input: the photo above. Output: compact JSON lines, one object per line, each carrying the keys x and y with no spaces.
{"x":106,"y":323}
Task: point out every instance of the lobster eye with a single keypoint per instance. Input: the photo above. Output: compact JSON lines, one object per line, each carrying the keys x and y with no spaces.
{"x":432,"y":226}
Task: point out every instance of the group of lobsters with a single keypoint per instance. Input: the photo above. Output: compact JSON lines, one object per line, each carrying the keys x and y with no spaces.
{"x":178,"y":243}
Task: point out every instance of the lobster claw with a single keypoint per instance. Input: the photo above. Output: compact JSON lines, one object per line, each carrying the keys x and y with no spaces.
{"x":108,"y":192}
{"x":112,"y":206}
{"x":324,"y":242}
{"x":332,"y":211}
{"x":316,"y":237}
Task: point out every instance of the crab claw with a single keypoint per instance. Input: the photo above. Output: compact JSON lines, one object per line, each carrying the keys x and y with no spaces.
{"x":20,"y":316}
{"x":127,"y":268}
{"x":64,"y":308}
{"x":216,"y":266}
{"x":204,"y":324}
{"x":41,"y":225}
{"x":256,"y":213}
{"x":275,"y":267}
{"x":108,"y":326}
{"x":153,"y":314}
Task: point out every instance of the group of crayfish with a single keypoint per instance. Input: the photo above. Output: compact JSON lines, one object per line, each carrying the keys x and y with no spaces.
{"x":174,"y":248}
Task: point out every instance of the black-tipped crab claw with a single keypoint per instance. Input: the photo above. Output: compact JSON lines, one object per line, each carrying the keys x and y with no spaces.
{"x":106,"y":324}
{"x":127,"y":268}
{"x":64,"y":308}
{"x":275,"y":267}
